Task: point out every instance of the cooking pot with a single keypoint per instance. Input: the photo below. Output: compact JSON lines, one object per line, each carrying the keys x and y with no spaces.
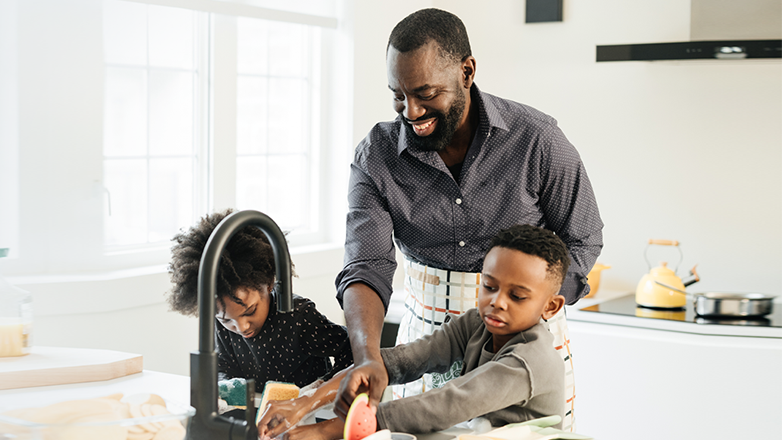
{"x":661,"y":287}
{"x":732,"y":304}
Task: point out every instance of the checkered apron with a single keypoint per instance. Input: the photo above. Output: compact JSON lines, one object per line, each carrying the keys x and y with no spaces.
{"x":432,"y":293}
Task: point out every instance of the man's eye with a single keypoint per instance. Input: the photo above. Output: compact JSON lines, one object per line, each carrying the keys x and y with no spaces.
{"x":428,"y":97}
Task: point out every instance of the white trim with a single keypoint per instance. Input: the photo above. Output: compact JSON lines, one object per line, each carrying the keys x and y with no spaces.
{"x":242,"y":10}
{"x":108,"y":291}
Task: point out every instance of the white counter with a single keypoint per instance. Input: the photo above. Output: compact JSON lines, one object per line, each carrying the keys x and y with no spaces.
{"x":650,"y":379}
{"x":575,"y":314}
{"x":169,"y":386}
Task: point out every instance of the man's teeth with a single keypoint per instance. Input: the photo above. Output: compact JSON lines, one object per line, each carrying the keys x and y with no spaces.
{"x":422,"y":127}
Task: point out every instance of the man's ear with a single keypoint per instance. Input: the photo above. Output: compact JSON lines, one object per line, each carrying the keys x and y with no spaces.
{"x":468,"y":71}
{"x":553,"y":306}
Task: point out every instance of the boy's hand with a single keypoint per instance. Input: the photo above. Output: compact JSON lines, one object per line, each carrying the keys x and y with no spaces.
{"x":370,"y":377}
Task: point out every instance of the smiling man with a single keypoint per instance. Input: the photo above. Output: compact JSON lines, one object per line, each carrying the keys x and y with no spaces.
{"x":455,"y":167}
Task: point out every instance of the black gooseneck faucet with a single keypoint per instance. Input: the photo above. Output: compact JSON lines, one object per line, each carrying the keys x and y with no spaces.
{"x":207,"y":424}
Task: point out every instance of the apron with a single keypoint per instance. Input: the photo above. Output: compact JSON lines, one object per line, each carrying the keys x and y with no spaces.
{"x":431,"y":294}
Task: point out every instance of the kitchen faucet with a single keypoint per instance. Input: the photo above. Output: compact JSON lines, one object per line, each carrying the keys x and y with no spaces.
{"x":207,"y":424}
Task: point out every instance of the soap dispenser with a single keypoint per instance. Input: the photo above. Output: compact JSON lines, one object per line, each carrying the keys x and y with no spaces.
{"x":16,"y":318}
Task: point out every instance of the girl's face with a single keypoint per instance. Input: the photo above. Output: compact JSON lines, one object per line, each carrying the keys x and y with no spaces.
{"x":245,"y":319}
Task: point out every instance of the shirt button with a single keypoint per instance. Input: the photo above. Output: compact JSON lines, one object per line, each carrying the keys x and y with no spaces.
{"x":461,"y":243}
{"x":458,"y":201}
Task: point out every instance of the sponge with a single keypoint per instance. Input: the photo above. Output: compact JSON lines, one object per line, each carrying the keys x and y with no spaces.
{"x":277,"y":391}
{"x":233,"y":391}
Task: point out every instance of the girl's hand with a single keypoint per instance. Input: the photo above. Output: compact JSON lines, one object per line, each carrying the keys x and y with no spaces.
{"x":329,"y":430}
{"x":280,"y":415}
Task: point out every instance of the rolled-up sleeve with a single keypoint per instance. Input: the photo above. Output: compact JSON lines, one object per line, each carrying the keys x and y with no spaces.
{"x":369,"y":248}
{"x":570,"y":210}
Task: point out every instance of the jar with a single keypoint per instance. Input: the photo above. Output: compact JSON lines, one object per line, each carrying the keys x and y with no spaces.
{"x":16,"y":318}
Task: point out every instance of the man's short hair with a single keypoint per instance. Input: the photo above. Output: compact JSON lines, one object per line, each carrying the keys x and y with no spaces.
{"x":420,"y":27}
{"x":538,"y":242}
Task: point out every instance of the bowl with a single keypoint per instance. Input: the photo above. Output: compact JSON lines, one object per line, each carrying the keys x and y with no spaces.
{"x":86,"y":419}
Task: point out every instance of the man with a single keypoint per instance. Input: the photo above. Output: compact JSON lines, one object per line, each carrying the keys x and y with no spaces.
{"x":456,"y":166}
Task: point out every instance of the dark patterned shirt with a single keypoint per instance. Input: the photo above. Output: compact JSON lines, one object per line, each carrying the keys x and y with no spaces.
{"x":290,"y":347}
{"x":520,"y":169}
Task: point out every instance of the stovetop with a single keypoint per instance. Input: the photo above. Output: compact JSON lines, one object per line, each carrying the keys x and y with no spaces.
{"x":626,"y":306}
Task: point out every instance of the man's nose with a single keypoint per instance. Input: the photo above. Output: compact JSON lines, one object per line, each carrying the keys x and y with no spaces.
{"x":413,"y":109}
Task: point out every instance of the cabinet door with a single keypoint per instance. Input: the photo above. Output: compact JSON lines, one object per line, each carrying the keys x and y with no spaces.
{"x":640,"y":384}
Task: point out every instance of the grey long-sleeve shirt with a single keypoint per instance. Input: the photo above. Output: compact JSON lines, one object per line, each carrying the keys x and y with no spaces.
{"x":521,"y":382}
{"x":520,"y":169}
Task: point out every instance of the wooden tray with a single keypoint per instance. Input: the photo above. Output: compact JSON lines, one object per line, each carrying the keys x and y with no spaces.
{"x":56,"y":366}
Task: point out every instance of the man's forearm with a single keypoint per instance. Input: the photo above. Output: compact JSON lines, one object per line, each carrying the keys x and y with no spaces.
{"x":364,"y":313}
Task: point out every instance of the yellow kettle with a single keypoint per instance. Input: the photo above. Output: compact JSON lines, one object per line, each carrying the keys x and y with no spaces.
{"x":661,"y":287}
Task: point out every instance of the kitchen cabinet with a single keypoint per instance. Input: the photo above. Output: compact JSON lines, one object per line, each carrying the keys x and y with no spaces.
{"x":644,"y":378}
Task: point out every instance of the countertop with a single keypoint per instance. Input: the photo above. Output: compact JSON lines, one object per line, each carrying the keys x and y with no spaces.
{"x":575,"y":313}
{"x":171,"y":387}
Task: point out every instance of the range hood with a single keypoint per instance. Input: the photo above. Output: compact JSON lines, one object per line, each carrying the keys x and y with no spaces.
{"x":719,"y":29}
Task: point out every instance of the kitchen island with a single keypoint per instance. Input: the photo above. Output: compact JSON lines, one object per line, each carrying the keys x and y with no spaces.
{"x":644,"y":377}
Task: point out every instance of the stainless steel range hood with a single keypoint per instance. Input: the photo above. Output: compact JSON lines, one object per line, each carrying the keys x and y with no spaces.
{"x":721,"y":29}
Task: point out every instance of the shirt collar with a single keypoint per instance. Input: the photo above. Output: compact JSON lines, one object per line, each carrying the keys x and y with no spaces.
{"x":488,"y":117}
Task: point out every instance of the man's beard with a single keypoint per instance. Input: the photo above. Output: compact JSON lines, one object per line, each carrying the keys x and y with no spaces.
{"x":443,"y":133}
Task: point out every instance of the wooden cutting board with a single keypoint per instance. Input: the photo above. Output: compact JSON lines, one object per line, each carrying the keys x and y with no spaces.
{"x":56,"y":366}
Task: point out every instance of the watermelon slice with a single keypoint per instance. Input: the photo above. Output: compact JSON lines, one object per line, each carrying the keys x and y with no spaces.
{"x":360,"y":421}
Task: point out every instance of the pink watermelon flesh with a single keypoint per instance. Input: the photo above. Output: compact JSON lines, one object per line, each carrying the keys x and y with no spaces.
{"x":360,"y":421}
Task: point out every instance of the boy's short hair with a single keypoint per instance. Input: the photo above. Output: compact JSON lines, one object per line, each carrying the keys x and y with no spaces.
{"x":538,"y":242}
{"x":247,"y":261}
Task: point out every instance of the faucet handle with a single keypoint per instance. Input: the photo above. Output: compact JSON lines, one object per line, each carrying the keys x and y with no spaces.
{"x":250,"y":411}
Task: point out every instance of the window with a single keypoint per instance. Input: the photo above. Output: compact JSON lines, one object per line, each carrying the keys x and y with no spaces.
{"x":135,"y":117}
{"x":9,"y":141}
{"x":151,"y":125}
{"x":276,"y":87}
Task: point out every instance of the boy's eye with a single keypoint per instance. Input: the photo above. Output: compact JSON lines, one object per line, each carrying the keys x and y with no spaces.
{"x":489,"y":288}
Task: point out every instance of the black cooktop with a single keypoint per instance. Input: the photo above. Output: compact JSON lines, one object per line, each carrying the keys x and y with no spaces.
{"x":626,"y":306}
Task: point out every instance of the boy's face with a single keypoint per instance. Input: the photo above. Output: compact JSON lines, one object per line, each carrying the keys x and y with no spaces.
{"x":515,"y":293}
{"x":248,"y":319}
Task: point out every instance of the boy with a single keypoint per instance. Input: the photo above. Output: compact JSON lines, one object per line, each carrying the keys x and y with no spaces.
{"x":510,"y":373}
{"x":252,"y":339}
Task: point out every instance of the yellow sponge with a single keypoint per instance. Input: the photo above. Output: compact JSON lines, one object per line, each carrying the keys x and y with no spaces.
{"x":276,"y":391}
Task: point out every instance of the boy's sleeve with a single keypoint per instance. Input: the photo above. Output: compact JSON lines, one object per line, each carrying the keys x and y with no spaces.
{"x":320,"y":337}
{"x":490,"y":387}
{"x":227,"y":366}
{"x":433,"y":353}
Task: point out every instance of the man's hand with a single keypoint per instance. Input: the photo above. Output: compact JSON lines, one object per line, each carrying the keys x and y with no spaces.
{"x":364,"y":317}
{"x":370,"y":377}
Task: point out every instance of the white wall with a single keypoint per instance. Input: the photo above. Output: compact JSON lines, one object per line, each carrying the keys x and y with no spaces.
{"x":680,"y":150}
{"x":685,"y":150}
